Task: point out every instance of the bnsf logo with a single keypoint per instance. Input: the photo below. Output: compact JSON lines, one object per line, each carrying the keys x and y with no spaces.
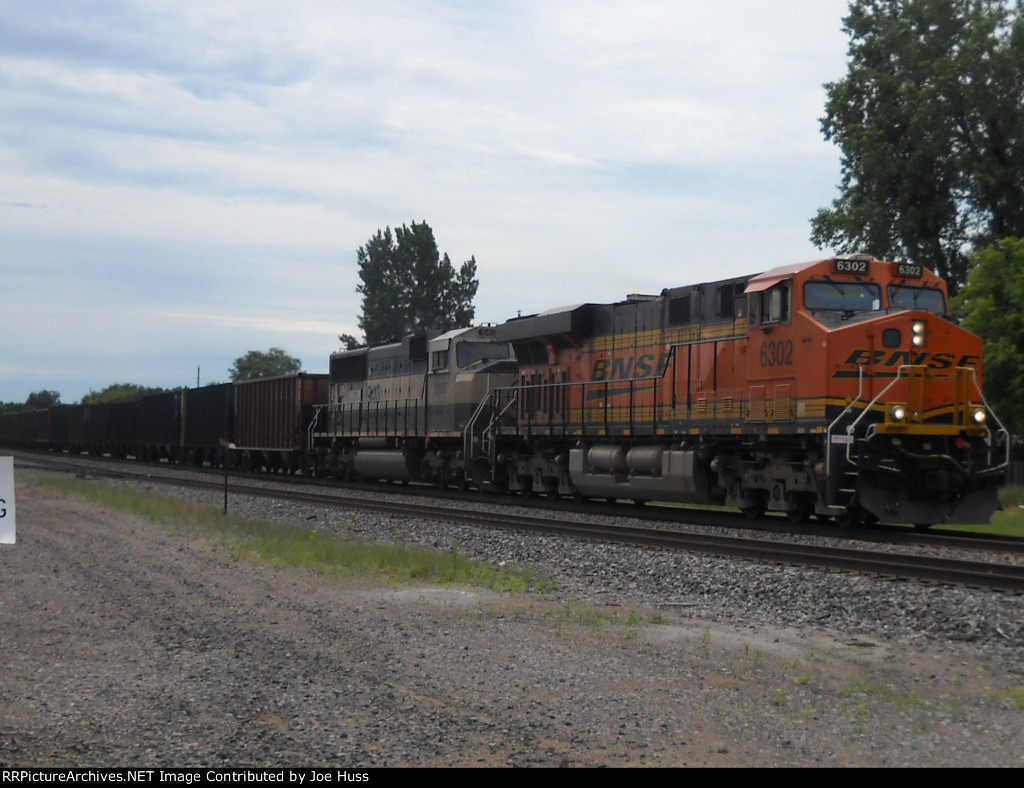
{"x":904,"y":357}
{"x":630,"y":367}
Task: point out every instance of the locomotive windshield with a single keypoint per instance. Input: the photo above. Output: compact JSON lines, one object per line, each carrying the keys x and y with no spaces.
{"x":842,"y":296}
{"x":928,"y":298}
{"x":467,"y":353}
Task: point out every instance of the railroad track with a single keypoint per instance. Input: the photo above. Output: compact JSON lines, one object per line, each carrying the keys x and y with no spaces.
{"x":998,"y":576}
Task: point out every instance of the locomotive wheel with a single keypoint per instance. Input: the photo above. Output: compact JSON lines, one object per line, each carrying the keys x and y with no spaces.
{"x":849,"y":519}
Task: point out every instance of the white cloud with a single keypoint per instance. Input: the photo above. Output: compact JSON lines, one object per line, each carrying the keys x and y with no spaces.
{"x":210,"y":169}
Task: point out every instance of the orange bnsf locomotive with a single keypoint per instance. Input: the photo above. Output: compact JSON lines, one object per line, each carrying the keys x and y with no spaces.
{"x":839,"y":388}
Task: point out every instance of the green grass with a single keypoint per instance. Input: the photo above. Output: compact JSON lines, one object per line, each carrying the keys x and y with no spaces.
{"x":1015,"y":696}
{"x":285,"y":545}
{"x":1009,"y":522}
{"x":865,"y":689}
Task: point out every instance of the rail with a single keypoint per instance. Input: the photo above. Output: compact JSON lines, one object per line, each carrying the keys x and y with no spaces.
{"x":838,"y":419}
{"x":311,"y":430}
{"x":488,"y":405}
{"x":394,"y":418}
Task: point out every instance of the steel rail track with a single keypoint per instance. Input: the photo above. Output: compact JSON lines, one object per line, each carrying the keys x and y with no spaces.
{"x":667,"y":514}
{"x":905,"y":566}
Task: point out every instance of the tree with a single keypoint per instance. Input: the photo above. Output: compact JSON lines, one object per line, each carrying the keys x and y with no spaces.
{"x":408,"y":287}
{"x":119,"y":392}
{"x":930,"y":120}
{"x":991,"y":305}
{"x":41,"y":400}
{"x":259,"y":364}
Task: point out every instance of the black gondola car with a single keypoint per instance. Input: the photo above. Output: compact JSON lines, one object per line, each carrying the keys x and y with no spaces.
{"x":208,"y":415}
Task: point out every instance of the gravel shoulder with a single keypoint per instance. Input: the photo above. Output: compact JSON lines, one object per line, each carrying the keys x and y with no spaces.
{"x":124,"y":643}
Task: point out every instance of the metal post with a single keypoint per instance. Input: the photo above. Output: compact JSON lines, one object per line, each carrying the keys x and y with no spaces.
{"x":228,"y":447}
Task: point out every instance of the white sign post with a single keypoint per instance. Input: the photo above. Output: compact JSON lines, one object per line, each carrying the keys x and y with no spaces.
{"x":6,"y":500}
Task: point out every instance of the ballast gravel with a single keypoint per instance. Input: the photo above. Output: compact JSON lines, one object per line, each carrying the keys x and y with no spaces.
{"x":126,"y":643}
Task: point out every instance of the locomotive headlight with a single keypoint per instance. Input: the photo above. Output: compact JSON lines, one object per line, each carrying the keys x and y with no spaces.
{"x":898,"y":413}
{"x":979,"y":415}
{"x":919,"y":330}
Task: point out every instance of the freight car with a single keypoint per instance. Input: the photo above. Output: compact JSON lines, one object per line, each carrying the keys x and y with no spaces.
{"x":273,"y":421}
{"x":839,"y":388}
{"x":195,"y":426}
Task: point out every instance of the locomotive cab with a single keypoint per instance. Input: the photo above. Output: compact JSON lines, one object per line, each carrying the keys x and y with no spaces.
{"x":871,"y":396}
{"x":465,"y":365}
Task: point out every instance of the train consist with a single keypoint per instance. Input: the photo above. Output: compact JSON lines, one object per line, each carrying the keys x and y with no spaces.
{"x":838,"y":388}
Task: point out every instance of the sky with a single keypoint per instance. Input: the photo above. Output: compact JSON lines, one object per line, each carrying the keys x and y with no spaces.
{"x":182,"y":182}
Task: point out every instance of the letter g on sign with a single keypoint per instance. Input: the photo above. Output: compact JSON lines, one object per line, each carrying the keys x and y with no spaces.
{"x":7,"y":504}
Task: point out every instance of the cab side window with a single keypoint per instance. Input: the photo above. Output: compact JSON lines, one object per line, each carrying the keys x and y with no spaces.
{"x":772,"y":305}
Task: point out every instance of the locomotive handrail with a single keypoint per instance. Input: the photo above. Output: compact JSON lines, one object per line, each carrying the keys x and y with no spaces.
{"x":603,"y":418}
{"x":496,"y":415}
{"x":839,"y":418}
{"x":310,"y":440}
{"x":388,"y":416}
{"x":1003,"y":433}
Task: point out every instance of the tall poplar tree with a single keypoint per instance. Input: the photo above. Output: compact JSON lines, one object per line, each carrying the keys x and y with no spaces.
{"x":407,"y":286}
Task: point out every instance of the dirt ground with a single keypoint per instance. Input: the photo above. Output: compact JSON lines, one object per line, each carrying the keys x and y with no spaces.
{"x":124,"y":643}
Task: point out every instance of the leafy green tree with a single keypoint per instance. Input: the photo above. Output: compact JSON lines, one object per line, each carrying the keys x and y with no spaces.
{"x":41,"y":400}
{"x":991,"y":305}
{"x":119,"y":392}
{"x":264,"y":364}
{"x":350,"y":342}
{"x":930,"y":121}
{"x":37,"y":400}
{"x":407,"y":286}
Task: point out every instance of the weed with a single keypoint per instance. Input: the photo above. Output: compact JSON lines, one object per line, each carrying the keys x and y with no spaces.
{"x":292,"y":546}
{"x":1015,"y":696}
{"x":888,"y":695}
